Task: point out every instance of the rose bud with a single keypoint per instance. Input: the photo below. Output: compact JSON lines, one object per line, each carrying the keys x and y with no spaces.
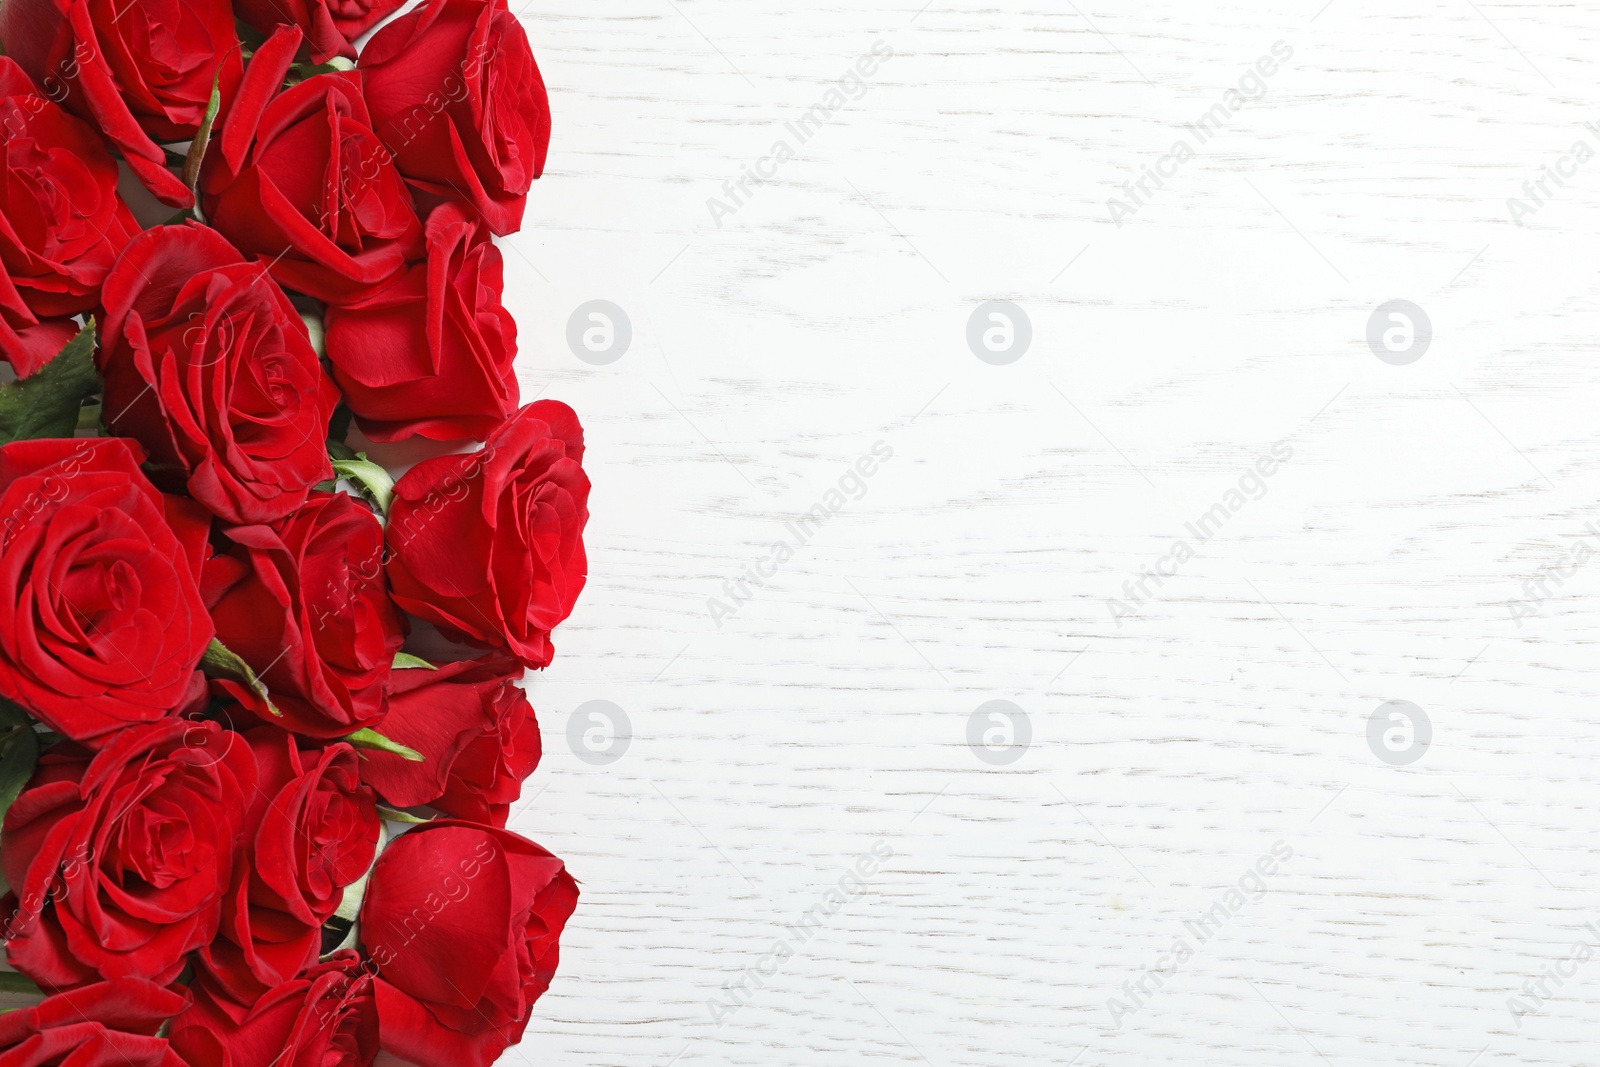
{"x":463,"y":924}
{"x":140,"y":73}
{"x":311,"y":830}
{"x":119,"y":859}
{"x":303,"y":602}
{"x":298,"y":179}
{"x":101,"y":620}
{"x":208,"y":365}
{"x":325,"y":1017}
{"x":108,"y":1024}
{"x":329,"y":25}
{"x":457,"y":97}
{"x":65,"y":223}
{"x":489,"y":545}
{"x":431,"y":352}
{"x":476,"y":732}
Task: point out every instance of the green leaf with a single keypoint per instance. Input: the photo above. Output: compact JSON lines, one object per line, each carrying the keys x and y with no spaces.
{"x":13,"y":714}
{"x":47,"y":403}
{"x":221,"y":662}
{"x":202,"y":138}
{"x":403,"y":660}
{"x":19,"y":753}
{"x":373,"y":481}
{"x":369,"y":738}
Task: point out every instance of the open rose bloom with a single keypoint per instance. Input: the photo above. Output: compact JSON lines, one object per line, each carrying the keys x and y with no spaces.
{"x":243,"y":821}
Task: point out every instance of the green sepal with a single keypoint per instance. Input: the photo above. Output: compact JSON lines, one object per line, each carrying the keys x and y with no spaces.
{"x":197,"y":147}
{"x":374,"y":482}
{"x":367,"y":737}
{"x":388,"y":814}
{"x":13,"y":714}
{"x":222,"y":662}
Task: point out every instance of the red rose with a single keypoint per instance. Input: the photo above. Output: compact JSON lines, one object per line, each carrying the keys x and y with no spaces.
{"x":431,"y":353}
{"x":303,"y":602}
{"x":299,"y":179}
{"x":463,"y":923}
{"x":108,"y":1024}
{"x":329,"y":25}
{"x":311,"y":831}
{"x":457,"y":97}
{"x":324,"y":1018}
{"x":101,"y":620}
{"x":490,"y":545}
{"x":209,"y":366}
{"x":118,"y":859}
{"x":142,"y":73}
{"x":61,"y":221}
{"x":476,"y":732}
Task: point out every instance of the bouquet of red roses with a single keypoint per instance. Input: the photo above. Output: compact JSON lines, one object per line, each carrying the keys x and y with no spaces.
{"x":244,"y":826}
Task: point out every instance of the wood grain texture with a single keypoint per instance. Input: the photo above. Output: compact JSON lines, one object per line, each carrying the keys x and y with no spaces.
{"x":1172,"y":748}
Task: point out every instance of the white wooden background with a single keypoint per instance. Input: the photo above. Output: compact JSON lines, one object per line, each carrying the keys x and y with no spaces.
{"x":1170,"y":752}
